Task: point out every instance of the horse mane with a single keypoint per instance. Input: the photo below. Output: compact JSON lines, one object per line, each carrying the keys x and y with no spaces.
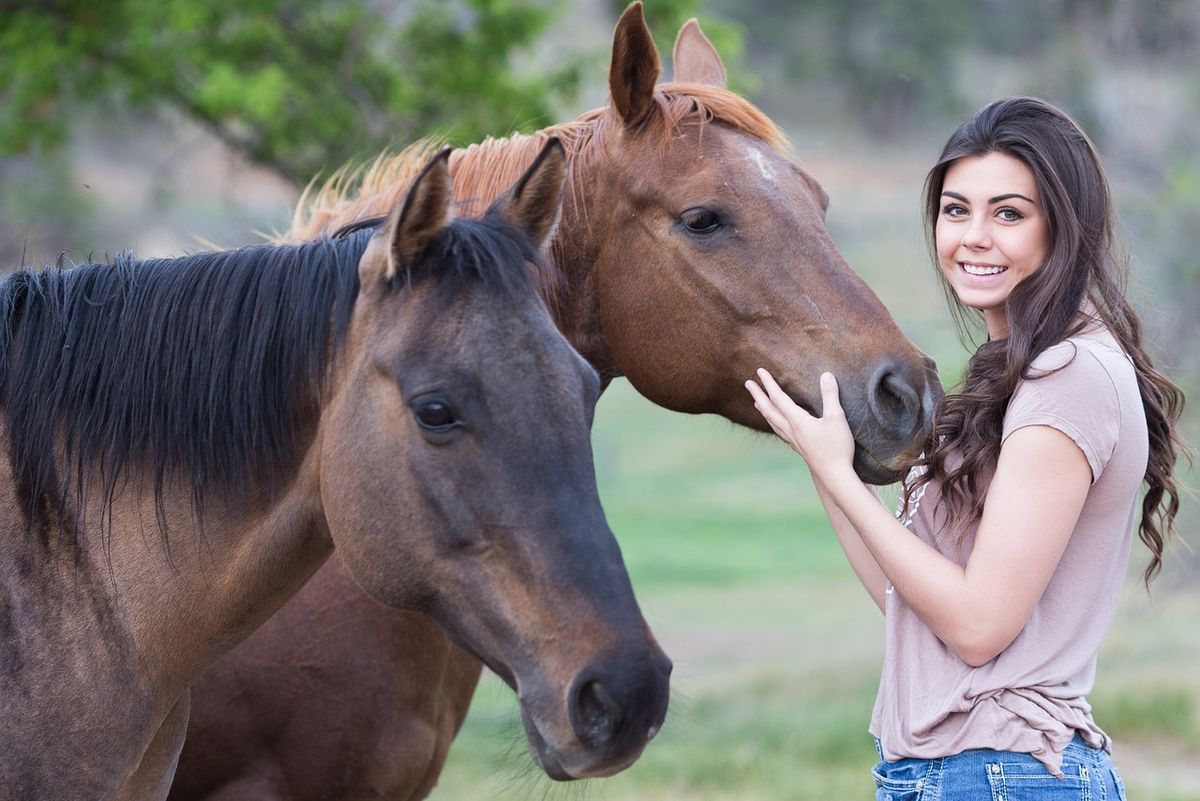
{"x":482,"y":171}
{"x":208,"y":369}
{"x":490,"y":252}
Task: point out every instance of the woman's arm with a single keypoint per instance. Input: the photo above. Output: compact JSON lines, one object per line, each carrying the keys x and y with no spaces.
{"x":1041,"y":481}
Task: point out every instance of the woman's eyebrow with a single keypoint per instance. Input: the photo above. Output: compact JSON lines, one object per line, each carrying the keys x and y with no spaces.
{"x":1009,"y":196}
{"x":996,"y":199}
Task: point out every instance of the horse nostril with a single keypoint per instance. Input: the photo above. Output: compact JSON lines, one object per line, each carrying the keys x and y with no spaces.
{"x":596,"y":717}
{"x":894,"y":402}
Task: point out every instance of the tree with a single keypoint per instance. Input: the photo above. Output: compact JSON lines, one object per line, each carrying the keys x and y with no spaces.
{"x":300,"y":86}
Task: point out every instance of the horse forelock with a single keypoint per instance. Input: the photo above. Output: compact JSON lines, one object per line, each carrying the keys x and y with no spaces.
{"x":201,"y":370}
{"x":680,"y":102}
{"x":490,"y":252}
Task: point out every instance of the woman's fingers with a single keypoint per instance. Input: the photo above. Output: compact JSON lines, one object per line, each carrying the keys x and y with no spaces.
{"x":820,"y":440}
{"x":780,"y":398}
{"x":830,"y":397}
{"x":756,"y":392}
{"x":767,"y":409}
{"x":771,"y":387}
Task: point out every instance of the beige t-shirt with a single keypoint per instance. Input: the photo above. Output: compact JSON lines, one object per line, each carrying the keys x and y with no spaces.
{"x":1032,"y":698}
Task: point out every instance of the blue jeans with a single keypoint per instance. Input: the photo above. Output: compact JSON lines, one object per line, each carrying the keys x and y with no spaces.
{"x":986,"y":775}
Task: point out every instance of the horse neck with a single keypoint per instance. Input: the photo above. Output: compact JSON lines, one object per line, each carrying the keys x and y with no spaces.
{"x":170,"y":606}
{"x":214,"y":584}
{"x":183,"y":589}
{"x":481,"y":172}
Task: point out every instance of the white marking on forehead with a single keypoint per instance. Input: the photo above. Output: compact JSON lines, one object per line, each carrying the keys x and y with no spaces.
{"x":816,"y":307}
{"x":757,"y":157}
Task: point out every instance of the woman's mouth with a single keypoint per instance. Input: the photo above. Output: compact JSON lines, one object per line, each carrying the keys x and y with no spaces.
{"x":981,"y":269}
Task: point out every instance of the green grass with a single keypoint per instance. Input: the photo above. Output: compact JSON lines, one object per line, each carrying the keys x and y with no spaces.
{"x":777,"y":648}
{"x":1151,"y":713}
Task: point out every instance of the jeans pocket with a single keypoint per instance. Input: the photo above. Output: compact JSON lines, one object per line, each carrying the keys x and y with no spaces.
{"x":1120,"y":785}
{"x":1030,"y":780}
{"x":903,"y":780}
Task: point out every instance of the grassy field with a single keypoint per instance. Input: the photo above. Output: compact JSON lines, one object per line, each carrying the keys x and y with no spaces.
{"x":776,"y":647}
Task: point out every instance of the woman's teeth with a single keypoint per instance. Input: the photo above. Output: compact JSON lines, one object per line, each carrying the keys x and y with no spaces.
{"x":976,"y":269}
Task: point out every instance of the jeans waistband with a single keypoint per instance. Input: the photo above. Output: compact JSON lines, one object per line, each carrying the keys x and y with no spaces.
{"x":1077,"y":748}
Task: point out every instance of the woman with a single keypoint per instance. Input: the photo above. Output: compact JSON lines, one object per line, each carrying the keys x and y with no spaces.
{"x":1001,"y":574}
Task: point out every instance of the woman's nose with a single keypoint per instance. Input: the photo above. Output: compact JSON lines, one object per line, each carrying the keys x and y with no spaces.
{"x":976,"y":236}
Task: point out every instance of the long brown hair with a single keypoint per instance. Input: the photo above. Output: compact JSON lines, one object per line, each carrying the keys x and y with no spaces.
{"x":1083,"y":263}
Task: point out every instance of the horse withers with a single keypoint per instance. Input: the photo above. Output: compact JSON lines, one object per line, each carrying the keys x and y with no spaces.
{"x":188,"y":440}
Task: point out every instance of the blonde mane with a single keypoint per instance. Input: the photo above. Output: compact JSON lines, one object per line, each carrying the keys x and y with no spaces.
{"x":482,"y":171}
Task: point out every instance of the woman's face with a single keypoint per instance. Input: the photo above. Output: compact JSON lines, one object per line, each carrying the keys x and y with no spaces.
{"x":991,"y":232}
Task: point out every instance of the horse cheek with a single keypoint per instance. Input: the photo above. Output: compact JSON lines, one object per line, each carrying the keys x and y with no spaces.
{"x":362,"y":492}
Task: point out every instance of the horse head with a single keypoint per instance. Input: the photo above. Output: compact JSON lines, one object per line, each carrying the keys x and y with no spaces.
{"x":712,"y":259}
{"x":457,"y":478}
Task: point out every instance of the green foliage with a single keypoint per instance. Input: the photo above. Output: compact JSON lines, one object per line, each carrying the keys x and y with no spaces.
{"x":897,"y":53}
{"x":299,"y":87}
{"x":888,"y":60}
{"x":36,"y":205}
{"x":894,"y":65}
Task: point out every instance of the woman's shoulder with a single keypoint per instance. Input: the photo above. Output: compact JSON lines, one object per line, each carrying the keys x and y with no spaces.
{"x":1092,"y":358}
{"x":1081,"y":386}
{"x":1079,"y":374}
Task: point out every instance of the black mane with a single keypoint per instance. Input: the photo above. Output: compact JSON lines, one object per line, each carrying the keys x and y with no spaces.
{"x":207,"y":368}
{"x":489,"y":250}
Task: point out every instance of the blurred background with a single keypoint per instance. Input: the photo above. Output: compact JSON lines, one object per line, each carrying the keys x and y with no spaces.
{"x":169,"y":126}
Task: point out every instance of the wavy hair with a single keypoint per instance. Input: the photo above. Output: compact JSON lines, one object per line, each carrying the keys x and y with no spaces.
{"x":1083,"y":264}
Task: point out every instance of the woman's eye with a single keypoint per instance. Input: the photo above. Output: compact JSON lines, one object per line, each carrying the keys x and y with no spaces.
{"x":435,"y":416}
{"x":953,"y":210}
{"x":1010,"y":215}
{"x":700,"y":220}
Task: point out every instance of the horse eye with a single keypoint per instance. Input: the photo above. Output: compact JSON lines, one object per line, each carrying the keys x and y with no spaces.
{"x":435,"y":416}
{"x":700,"y":220}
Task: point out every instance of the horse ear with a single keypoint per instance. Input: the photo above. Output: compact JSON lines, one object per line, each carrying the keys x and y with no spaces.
{"x":533,"y":202}
{"x":417,"y":220}
{"x":634,"y":69}
{"x":696,"y":60}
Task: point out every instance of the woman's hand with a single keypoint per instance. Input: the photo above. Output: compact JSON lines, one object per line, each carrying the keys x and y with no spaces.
{"x":825,"y":442}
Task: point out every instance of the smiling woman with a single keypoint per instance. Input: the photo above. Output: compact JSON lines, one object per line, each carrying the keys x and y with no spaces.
{"x":1001,"y":577}
{"x":988,"y":243}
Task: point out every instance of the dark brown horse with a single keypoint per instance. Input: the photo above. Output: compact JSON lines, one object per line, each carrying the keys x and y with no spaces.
{"x":187,"y":440}
{"x":695,"y":250}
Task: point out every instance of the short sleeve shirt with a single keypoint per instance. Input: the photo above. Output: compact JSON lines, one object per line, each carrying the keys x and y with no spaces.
{"x":1032,"y":697}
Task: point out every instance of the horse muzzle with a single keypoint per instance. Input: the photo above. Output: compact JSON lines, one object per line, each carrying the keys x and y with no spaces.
{"x":611,"y":710}
{"x":895,"y":413}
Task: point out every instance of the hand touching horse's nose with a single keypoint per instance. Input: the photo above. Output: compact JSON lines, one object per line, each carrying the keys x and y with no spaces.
{"x":825,"y":442}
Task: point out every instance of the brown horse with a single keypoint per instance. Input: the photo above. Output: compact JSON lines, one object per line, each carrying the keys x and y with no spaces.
{"x":189,"y":439}
{"x":694,"y":250}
